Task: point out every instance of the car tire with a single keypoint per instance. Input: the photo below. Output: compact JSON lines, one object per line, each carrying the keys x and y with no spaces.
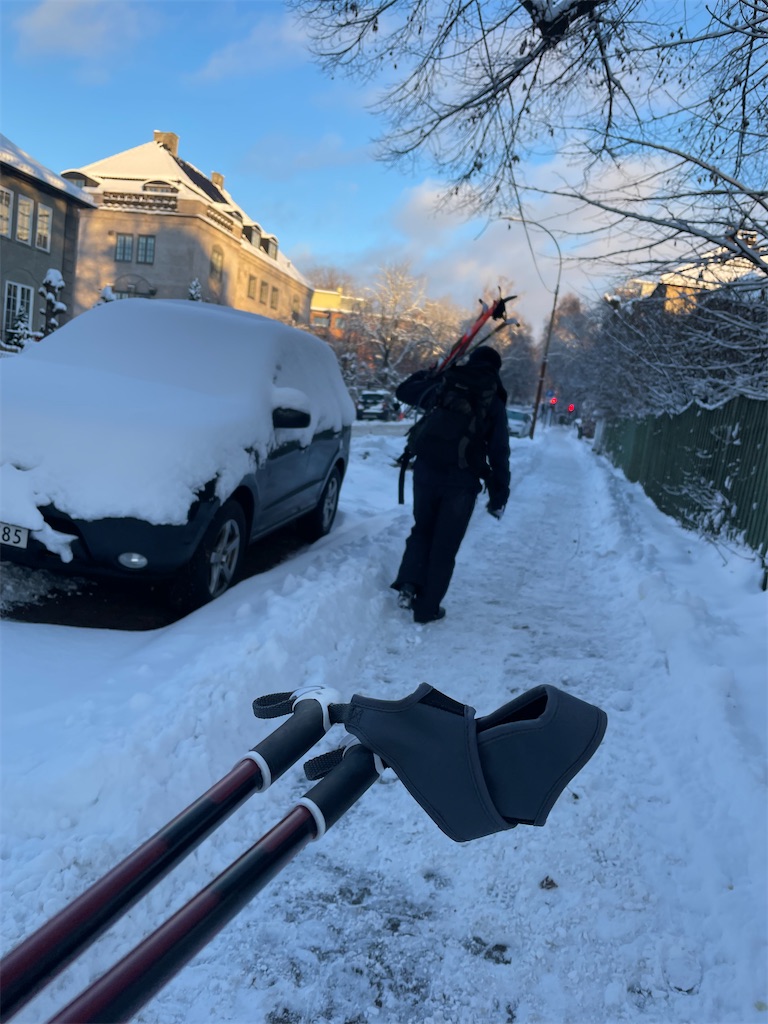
{"x":216,"y":563}
{"x":318,"y":522}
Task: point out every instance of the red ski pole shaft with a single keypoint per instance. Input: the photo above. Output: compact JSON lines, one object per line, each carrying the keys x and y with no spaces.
{"x":46,"y":952}
{"x":140,"y":975}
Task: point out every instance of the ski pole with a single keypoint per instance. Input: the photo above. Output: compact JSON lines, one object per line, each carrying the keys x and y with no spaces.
{"x":140,"y":975}
{"x":46,"y":952}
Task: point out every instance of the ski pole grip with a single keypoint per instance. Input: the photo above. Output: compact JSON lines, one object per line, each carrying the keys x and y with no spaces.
{"x":333,"y":795}
{"x":282,"y":748}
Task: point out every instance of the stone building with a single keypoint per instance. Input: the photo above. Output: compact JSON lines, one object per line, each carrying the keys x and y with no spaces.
{"x":330,"y":311}
{"x":160,"y":228}
{"x":39,"y":217}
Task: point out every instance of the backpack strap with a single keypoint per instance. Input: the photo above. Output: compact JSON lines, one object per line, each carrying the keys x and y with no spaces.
{"x":403,"y":462}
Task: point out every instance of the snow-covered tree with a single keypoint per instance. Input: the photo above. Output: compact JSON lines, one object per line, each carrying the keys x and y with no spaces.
{"x":19,"y":334}
{"x":50,"y":290}
{"x":644,"y":356}
{"x":389,"y":332}
{"x":107,"y":295}
{"x":195,"y":291}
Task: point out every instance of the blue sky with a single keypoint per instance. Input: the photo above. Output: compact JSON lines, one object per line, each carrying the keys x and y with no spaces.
{"x":82,"y":80}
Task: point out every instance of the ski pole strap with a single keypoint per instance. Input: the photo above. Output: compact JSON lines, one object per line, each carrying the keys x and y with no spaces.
{"x":404,"y":460}
{"x":273,"y":705}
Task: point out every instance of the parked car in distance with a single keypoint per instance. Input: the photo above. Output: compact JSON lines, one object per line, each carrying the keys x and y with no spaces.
{"x":519,"y":421}
{"x":377,"y":405}
{"x":157,"y":439}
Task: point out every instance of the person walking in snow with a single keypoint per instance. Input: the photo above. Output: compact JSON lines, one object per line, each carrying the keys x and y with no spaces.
{"x":461,"y":441}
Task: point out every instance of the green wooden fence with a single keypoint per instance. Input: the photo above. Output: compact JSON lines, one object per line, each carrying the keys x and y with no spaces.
{"x":706,"y":467}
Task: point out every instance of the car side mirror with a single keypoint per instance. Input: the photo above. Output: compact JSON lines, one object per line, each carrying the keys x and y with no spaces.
{"x":292,"y":419}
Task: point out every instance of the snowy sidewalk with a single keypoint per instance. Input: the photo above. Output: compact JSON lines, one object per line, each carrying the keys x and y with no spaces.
{"x":642,"y":899}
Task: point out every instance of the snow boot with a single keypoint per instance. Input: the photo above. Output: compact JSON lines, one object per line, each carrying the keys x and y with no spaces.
{"x":406,"y":596}
{"x":421,"y":617}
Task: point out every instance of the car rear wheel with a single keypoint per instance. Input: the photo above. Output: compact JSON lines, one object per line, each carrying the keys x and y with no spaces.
{"x":215,"y":564}
{"x":320,"y":520}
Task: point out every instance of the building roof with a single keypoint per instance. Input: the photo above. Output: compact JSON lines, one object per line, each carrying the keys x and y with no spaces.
{"x":158,"y":161}
{"x":130,"y":171}
{"x":25,"y":165}
{"x":713,"y":269}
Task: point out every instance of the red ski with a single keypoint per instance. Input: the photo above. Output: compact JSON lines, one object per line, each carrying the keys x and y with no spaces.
{"x":496,"y":312}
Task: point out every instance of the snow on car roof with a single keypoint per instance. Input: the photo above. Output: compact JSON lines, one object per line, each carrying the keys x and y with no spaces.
{"x":132,"y":406}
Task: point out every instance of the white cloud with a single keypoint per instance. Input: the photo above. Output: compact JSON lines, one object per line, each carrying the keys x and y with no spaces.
{"x":461,"y":257}
{"x":280,"y":157}
{"x":90,"y":30}
{"x":271,"y":43}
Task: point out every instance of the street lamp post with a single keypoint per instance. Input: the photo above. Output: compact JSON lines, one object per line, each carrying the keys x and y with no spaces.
{"x":547,"y":340}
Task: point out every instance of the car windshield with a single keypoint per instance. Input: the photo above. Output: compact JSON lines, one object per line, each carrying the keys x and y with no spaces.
{"x":512,"y":414}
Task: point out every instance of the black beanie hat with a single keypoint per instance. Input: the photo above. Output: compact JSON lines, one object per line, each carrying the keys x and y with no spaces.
{"x":485,"y":354}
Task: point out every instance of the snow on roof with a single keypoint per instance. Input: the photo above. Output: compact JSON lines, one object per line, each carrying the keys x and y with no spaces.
{"x":131,"y":169}
{"x":713,"y":269}
{"x":133,"y":406}
{"x":15,"y":157}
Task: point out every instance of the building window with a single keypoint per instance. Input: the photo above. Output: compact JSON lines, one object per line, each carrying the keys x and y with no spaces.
{"x":321,"y":319}
{"x":217,"y":263}
{"x":273,"y":299}
{"x":159,"y":186}
{"x":264,"y":293}
{"x":251,"y":287}
{"x":269,"y":245}
{"x":6,"y":212}
{"x":44,"y":223}
{"x":124,"y":249}
{"x":24,"y":220}
{"x":17,"y":306}
{"x":145,"y":249}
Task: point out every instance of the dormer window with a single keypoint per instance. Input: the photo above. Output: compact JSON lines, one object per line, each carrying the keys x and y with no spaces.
{"x":79,"y":179}
{"x":269,"y":246}
{"x":160,"y":186}
{"x":253,"y":234}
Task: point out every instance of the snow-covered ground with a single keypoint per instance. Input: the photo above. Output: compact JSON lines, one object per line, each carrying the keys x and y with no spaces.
{"x":642,"y":899}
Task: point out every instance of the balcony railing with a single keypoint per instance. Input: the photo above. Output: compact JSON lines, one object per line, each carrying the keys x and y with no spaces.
{"x":139,"y":201}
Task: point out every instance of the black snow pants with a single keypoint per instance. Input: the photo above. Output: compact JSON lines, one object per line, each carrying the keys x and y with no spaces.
{"x":441,"y":513}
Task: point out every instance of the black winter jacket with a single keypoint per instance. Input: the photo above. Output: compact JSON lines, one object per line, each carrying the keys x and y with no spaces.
{"x":421,"y":390}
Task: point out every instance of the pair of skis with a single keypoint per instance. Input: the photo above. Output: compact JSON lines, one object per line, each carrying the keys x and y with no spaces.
{"x":496,"y":311}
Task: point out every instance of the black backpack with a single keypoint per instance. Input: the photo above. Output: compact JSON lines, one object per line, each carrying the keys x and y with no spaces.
{"x":452,"y":433}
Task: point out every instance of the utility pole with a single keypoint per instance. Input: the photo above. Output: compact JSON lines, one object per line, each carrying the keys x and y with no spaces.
{"x":543,"y":370}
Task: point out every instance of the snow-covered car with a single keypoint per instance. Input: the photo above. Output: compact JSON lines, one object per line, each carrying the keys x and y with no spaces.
{"x":518,"y":421}
{"x":376,"y":405}
{"x":157,"y":439}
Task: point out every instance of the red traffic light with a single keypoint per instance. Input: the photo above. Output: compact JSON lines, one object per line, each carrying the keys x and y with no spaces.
{"x":571,"y":407}
{"x":553,"y":400}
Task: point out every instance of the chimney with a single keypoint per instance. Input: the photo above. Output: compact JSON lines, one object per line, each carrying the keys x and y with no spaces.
{"x":169,"y":140}
{"x":217,"y":179}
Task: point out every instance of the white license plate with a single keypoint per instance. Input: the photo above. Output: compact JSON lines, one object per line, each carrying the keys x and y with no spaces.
{"x":16,"y":536}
